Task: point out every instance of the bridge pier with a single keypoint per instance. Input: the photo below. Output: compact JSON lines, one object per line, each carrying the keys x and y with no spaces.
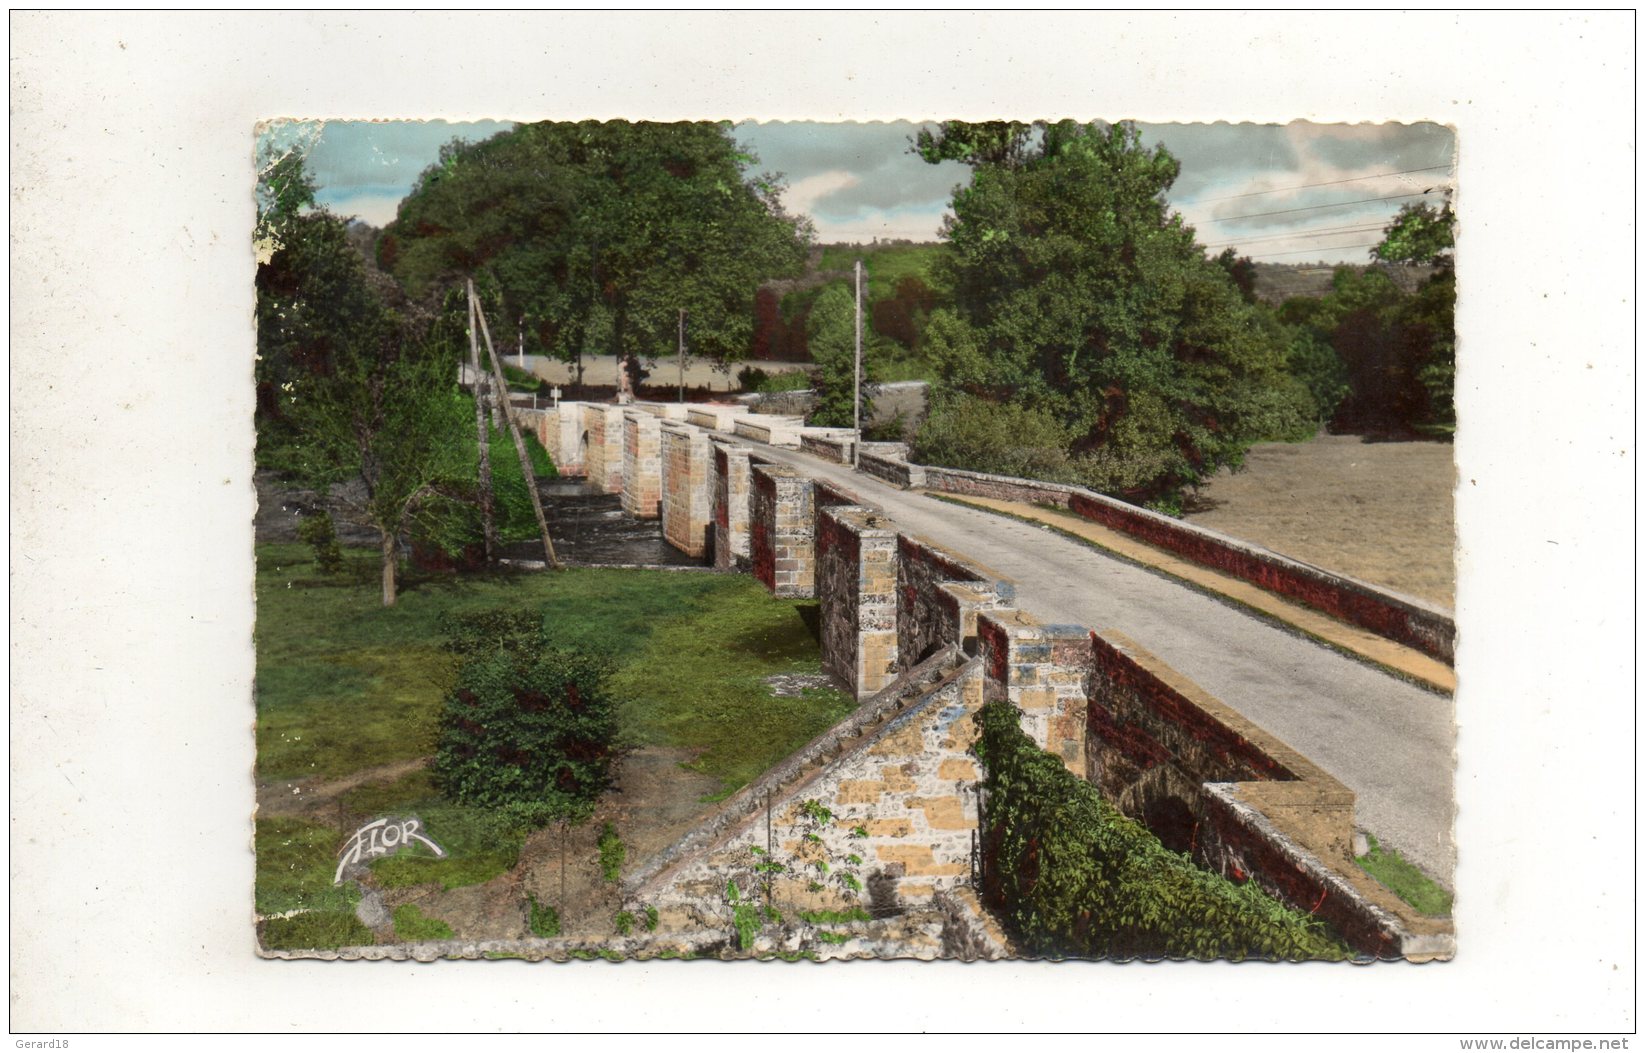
{"x":730,"y":499}
{"x":857,"y":596}
{"x":782,"y":533}
{"x":1043,"y":670}
{"x":685,"y":488}
{"x":604,"y":457}
{"x":642,"y":464}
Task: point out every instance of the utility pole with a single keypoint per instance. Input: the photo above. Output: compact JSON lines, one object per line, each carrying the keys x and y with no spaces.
{"x":487,"y":518}
{"x":682,"y":354}
{"x":856,"y":374}
{"x":519,"y":443}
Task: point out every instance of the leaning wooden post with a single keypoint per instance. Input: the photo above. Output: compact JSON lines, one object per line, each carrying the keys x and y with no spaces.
{"x":487,"y":503}
{"x":519,"y":443}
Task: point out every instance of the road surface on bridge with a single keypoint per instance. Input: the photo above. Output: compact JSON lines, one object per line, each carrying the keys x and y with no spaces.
{"x":1389,"y":741}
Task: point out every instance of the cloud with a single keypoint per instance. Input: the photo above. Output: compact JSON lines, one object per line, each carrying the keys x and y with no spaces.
{"x":876,"y":183}
{"x":1303,"y":191}
{"x":803,"y":195}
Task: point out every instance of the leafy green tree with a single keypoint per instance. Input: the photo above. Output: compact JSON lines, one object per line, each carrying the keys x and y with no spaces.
{"x":350,"y":387}
{"x":1089,"y":301}
{"x":1241,"y":271}
{"x":1419,"y":234}
{"x":1422,"y":234}
{"x":599,"y":234}
{"x":833,"y":342}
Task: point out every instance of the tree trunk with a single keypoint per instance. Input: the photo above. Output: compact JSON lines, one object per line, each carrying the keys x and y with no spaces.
{"x":487,"y":516}
{"x":391,"y":566}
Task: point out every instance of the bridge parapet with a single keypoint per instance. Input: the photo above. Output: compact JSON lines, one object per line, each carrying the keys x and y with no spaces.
{"x":1211,"y":783}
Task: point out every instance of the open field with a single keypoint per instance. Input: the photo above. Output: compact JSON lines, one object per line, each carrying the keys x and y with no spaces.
{"x":1379,"y":511}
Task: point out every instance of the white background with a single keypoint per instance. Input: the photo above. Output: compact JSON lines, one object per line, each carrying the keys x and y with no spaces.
{"x":131,"y":496}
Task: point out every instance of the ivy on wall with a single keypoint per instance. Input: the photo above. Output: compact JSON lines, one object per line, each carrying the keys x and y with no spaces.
{"x":1072,"y":877}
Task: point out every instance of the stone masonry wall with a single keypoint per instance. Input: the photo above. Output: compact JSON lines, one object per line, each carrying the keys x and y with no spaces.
{"x":685,"y":484}
{"x":857,"y":597}
{"x":1397,"y":618}
{"x":604,"y":425}
{"x":1044,"y":671}
{"x":901,"y":801}
{"x":1210,"y":783}
{"x":927,"y":613}
{"x":731,"y":496}
{"x":782,"y":531}
{"x":642,"y":464}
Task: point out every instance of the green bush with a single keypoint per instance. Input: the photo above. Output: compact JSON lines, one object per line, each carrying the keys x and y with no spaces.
{"x":544,"y":919}
{"x":968,"y":432}
{"x":612,"y":853}
{"x":320,"y":535}
{"x":530,"y":731}
{"x":753,"y":378}
{"x":1074,"y":878}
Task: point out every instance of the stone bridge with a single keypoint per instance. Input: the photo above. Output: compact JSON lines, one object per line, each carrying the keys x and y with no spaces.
{"x":1234,"y":736}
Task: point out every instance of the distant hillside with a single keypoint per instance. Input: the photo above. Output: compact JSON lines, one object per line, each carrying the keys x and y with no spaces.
{"x":1278,"y":282}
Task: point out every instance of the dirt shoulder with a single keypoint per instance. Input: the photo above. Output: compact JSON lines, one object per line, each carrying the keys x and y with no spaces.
{"x":1383,"y":512}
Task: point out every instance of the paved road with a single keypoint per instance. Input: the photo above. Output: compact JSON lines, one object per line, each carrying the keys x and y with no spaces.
{"x":1390,"y":742}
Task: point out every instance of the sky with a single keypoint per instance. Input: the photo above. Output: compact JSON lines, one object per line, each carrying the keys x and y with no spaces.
{"x":1294,"y":193}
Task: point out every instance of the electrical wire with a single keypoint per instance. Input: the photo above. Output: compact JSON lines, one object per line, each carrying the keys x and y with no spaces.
{"x":1322,"y":232}
{"x":1314,"y":208}
{"x":1319,"y":248}
{"x":1307,"y":186}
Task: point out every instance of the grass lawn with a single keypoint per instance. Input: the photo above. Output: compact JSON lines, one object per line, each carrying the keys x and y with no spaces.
{"x":345,"y":684}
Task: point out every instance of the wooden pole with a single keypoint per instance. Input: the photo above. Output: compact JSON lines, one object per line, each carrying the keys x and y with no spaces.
{"x":519,"y":443}
{"x":487,"y":505}
{"x":856,"y":374}
{"x":682,"y":354}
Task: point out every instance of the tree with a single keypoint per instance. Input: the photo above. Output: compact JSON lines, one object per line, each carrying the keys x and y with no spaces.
{"x":833,"y":341}
{"x":600,"y":233}
{"x":1092,"y":304}
{"x":1422,"y":234}
{"x":350,"y":384}
{"x":1419,"y":234}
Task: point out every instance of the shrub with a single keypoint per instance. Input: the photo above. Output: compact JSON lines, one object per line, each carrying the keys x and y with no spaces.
{"x":320,"y":535}
{"x":494,"y":629}
{"x":544,"y":919}
{"x":753,"y":378}
{"x":612,"y":853}
{"x":530,"y":731}
{"x":964,"y":431}
{"x":1073,"y":877}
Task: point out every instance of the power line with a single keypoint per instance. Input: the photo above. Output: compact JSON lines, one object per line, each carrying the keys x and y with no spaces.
{"x":1322,"y":232}
{"x":1313,"y":208}
{"x":1318,"y":248}
{"x":1307,"y":186}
